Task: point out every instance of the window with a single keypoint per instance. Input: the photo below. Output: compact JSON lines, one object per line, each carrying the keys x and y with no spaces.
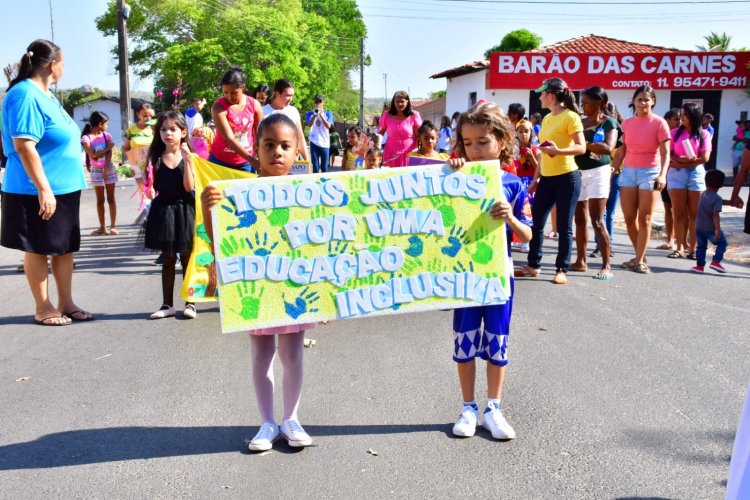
{"x":472,"y":98}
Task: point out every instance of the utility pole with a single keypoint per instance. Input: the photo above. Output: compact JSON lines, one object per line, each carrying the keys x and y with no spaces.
{"x":361,"y":81}
{"x":385,"y":82}
{"x":51,"y":22}
{"x":122,"y":45}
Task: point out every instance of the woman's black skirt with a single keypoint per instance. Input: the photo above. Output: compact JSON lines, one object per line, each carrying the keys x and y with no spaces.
{"x":22,"y":228}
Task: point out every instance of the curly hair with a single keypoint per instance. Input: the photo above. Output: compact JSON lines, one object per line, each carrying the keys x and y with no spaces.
{"x":493,"y":117}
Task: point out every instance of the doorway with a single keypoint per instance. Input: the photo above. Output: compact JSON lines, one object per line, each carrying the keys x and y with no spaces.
{"x":710,"y":101}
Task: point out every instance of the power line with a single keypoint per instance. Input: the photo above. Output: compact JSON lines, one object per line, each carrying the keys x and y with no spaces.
{"x":599,"y":4}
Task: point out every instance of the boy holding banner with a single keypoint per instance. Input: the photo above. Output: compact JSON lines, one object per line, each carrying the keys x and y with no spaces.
{"x":485,"y":133}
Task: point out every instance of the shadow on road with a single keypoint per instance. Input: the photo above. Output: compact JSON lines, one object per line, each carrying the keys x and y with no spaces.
{"x":90,"y":446}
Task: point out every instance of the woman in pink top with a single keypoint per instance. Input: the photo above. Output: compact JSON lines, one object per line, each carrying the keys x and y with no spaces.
{"x":401,"y":124}
{"x":644,"y":155}
{"x":236,"y":116}
{"x":691,"y":148}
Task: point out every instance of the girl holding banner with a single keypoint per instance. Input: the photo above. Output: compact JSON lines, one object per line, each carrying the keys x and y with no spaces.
{"x":278,"y":148}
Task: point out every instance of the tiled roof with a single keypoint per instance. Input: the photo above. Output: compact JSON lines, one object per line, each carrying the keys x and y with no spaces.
{"x":600,"y":44}
{"x":419,"y":102}
{"x":472,"y":67}
{"x":581,"y":45}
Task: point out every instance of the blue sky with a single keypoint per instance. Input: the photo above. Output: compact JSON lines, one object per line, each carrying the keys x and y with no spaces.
{"x":407,"y":39}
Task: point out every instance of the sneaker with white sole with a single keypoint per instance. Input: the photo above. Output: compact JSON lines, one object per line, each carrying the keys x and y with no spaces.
{"x":164,"y":312}
{"x":494,"y":421}
{"x":466,"y":425}
{"x":716,"y":266}
{"x":189,"y":312}
{"x":264,"y":439}
{"x":294,"y":434}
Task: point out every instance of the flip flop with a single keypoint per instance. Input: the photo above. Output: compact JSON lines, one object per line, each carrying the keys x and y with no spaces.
{"x":82,"y":315}
{"x":113,"y":231}
{"x":641,"y":268}
{"x":46,"y":321}
{"x":691,"y":256}
{"x":604,"y":276}
{"x":675,"y":255}
{"x":98,"y":232}
{"x":526,"y":272}
{"x":665,"y":246}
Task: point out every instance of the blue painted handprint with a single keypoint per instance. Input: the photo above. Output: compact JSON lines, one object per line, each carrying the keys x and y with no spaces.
{"x":456,"y":240}
{"x":244,"y":219}
{"x":487,"y":204}
{"x":337,"y":247}
{"x":301,"y":304}
{"x":416,"y":247}
{"x":461,"y":268}
{"x":261,"y":248}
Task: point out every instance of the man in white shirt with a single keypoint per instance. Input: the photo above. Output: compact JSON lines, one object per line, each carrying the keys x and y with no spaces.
{"x":320,"y":121}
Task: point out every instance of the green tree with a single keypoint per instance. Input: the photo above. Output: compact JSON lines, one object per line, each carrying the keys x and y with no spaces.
{"x":519,"y":40}
{"x":715,"y":43}
{"x":310,"y":42}
{"x":73,"y":97}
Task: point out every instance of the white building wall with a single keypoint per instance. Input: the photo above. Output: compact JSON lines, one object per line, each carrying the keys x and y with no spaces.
{"x":458,"y":90}
{"x":733,"y":102}
{"x":82,"y":112}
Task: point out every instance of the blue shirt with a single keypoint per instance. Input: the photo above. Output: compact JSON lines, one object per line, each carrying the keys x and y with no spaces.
{"x":516,"y":194}
{"x":31,"y":114}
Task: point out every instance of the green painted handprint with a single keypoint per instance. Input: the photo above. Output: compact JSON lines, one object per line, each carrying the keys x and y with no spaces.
{"x":250,"y":298}
{"x":447,"y":211}
{"x":278,"y":217}
{"x":230,"y":246}
{"x":357,"y":187}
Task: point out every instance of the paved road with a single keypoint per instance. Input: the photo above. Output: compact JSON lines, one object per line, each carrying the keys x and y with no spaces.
{"x":626,"y":389}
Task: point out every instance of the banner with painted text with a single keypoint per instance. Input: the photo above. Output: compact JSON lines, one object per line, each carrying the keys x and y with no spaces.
{"x":307,"y":248}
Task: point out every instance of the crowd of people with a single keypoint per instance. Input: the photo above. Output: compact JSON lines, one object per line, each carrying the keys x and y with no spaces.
{"x":572,"y":162}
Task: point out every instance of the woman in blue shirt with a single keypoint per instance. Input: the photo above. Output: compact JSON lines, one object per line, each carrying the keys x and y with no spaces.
{"x":43,"y":182}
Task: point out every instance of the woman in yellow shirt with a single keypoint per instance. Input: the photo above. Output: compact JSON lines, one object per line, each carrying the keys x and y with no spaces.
{"x":557,"y":182}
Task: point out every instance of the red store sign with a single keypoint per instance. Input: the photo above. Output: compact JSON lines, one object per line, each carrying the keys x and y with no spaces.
{"x":666,"y":70}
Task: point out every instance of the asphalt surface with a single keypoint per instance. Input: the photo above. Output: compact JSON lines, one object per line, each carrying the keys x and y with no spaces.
{"x":623,"y":389}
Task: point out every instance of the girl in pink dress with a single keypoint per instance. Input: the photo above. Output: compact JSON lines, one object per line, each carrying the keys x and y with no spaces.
{"x":401,"y":124}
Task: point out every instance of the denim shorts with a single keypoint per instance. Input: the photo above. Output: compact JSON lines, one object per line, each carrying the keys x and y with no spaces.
{"x":642,"y":178}
{"x":692,"y":179}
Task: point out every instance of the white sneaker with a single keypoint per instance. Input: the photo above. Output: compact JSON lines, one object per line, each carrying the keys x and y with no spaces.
{"x":264,"y":439}
{"x":189,"y":312}
{"x":466,"y":425}
{"x":494,"y":421}
{"x":164,"y":312}
{"x":295,"y":435}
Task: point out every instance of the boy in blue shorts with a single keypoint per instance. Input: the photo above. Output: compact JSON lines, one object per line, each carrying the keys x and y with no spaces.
{"x":485,"y":133}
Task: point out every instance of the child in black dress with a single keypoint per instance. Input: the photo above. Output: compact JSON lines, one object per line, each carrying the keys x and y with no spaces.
{"x":171,"y":219}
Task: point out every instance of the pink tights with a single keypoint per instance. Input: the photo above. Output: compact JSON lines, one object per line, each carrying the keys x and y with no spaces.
{"x":291,"y":347}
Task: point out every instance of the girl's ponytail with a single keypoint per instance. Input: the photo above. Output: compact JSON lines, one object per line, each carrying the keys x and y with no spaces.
{"x":38,"y":54}
{"x":562,"y":92}
{"x":568,"y":99}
